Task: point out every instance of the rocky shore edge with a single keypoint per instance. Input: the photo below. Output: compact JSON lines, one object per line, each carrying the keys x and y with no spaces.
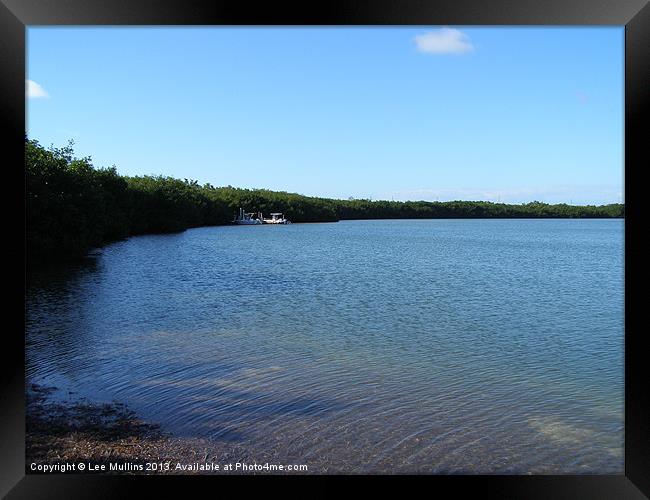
{"x":110,"y":438}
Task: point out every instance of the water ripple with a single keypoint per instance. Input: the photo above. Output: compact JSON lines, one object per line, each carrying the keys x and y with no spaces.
{"x":377,"y":346}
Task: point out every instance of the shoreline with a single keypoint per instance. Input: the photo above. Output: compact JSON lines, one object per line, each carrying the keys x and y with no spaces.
{"x":37,"y":265}
{"x":109,"y":438}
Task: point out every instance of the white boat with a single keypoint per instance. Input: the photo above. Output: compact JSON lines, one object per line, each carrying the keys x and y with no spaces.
{"x":247,"y":219}
{"x":276,"y":218}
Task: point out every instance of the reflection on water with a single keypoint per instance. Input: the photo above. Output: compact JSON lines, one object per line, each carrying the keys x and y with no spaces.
{"x":455,"y":346}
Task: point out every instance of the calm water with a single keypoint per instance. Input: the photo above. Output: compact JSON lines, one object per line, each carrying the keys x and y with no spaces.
{"x":451,"y":346}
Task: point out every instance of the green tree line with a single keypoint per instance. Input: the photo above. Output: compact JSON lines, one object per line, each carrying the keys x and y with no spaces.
{"x":71,"y":206}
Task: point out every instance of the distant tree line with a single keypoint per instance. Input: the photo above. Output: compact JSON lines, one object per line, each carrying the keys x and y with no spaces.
{"x":73,"y":206}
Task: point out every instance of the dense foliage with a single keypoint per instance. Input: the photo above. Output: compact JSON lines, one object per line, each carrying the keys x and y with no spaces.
{"x":73,"y":207}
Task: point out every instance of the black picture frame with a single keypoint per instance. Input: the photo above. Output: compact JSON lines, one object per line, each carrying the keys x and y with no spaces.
{"x":16,"y":15}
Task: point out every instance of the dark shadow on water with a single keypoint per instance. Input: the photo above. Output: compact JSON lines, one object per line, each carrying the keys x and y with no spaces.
{"x":61,"y":276}
{"x":246,"y":408}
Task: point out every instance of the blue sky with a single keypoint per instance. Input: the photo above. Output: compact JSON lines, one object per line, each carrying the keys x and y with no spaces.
{"x":490,"y":113}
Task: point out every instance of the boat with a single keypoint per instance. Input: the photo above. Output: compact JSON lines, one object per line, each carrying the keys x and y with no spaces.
{"x":276,"y":218}
{"x":247,"y":219}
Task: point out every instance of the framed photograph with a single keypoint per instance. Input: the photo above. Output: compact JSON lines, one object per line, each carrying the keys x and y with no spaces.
{"x":359,"y":239}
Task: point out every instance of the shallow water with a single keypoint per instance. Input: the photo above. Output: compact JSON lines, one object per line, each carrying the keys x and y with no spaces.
{"x":451,"y":346}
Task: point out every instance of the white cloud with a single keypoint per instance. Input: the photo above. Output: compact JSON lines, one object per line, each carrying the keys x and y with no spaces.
{"x":33,"y":90}
{"x":444,"y":41}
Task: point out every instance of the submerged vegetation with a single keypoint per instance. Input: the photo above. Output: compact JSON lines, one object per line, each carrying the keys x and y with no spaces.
{"x":73,"y":206}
